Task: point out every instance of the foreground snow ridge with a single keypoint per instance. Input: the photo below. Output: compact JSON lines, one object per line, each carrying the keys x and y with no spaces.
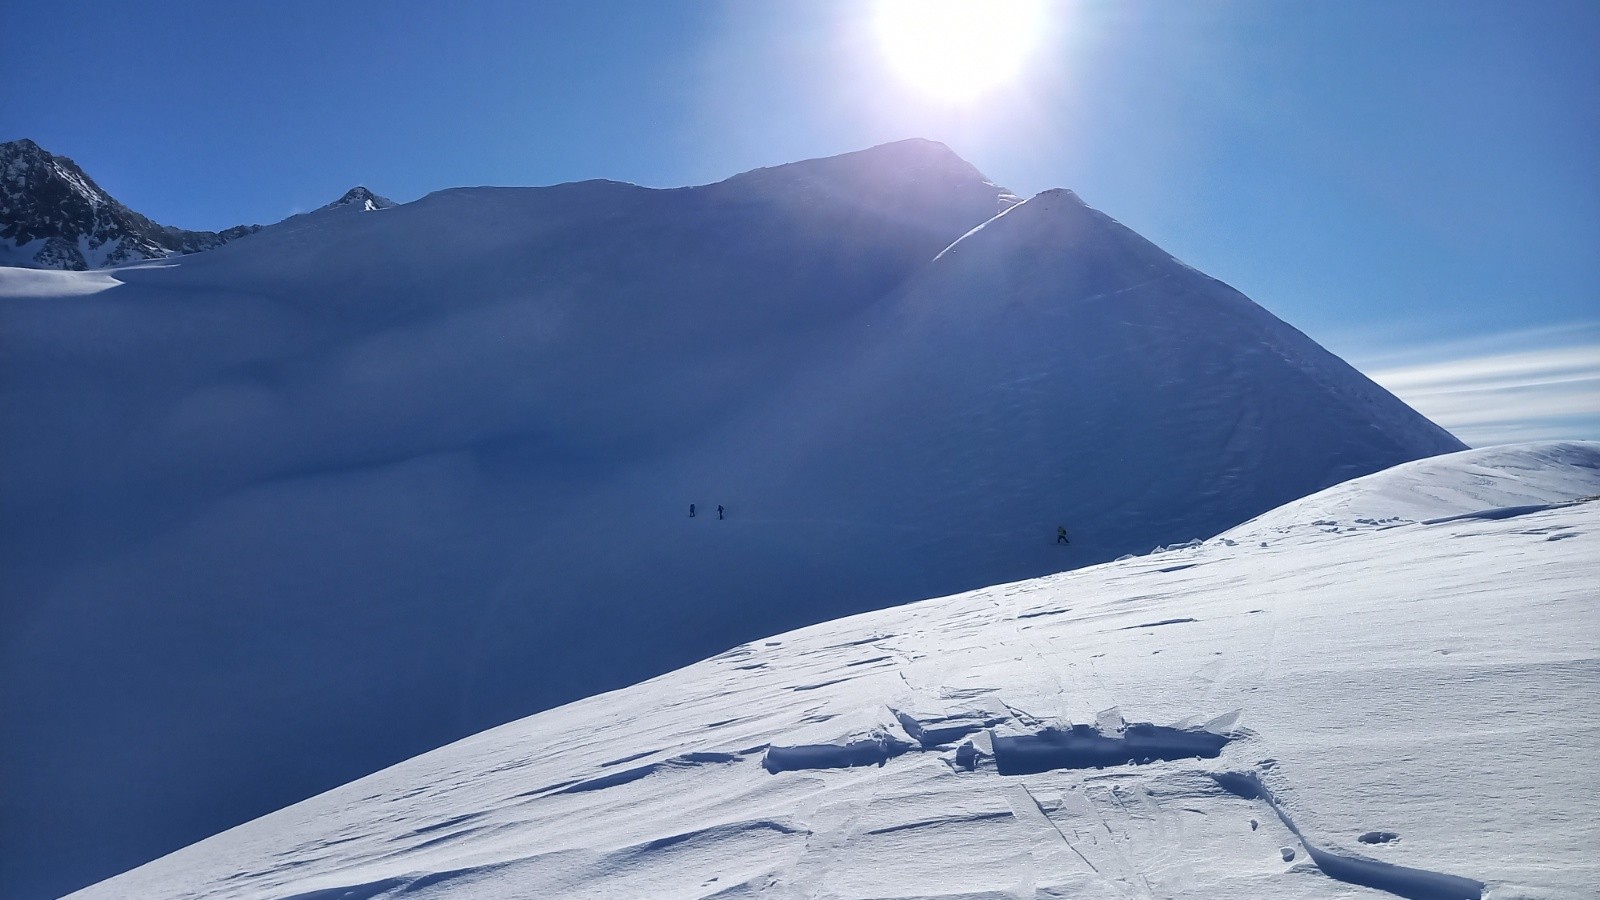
{"x":1388,"y":688}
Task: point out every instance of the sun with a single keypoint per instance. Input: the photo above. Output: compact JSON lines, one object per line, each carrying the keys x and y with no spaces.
{"x":958,"y":50}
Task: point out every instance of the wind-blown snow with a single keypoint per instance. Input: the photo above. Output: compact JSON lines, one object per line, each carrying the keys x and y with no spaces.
{"x":287,"y":511}
{"x":1334,"y":711}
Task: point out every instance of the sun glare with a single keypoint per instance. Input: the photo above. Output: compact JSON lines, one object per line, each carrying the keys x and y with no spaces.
{"x":958,"y":50}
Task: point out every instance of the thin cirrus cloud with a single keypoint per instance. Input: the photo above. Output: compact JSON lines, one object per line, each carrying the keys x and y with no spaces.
{"x":1532,"y":385}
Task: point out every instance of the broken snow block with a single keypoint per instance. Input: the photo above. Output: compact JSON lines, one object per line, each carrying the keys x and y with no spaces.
{"x":938,"y":727}
{"x":869,"y":750}
{"x":1087,"y":747}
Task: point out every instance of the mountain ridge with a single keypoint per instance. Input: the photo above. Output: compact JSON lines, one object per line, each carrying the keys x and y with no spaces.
{"x":54,"y":216}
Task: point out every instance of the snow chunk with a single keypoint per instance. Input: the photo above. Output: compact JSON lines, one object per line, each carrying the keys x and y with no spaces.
{"x":1088,"y":747}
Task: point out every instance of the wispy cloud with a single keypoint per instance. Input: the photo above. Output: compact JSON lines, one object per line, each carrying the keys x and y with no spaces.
{"x":1518,"y":386}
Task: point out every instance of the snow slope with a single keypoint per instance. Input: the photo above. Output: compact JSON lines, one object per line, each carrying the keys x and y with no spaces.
{"x":1345,"y":710}
{"x":1495,"y":481}
{"x":287,"y":511}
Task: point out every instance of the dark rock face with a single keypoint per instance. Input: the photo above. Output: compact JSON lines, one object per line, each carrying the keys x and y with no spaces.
{"x":362,"y":199}
{"x":54,"y":216}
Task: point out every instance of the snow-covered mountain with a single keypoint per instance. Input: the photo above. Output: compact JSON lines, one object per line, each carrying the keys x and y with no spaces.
{"x":1388,"y":688}
{"x":379,"y":477}
{"x":361,"y":199}
{"x":53,"y":216}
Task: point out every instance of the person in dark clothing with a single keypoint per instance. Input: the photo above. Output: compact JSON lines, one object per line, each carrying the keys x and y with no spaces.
{"x":691,"y":510}
{"x":1061,"y":535}
{"x":719,"y":510}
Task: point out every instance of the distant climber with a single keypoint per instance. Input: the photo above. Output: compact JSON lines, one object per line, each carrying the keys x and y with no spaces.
{"x":691,"y":510}
{"x":719,"y":510}
{"x":1061,"y":534}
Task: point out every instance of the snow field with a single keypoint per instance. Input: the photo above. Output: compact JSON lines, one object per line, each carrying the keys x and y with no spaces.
{"x":1403,"y":709}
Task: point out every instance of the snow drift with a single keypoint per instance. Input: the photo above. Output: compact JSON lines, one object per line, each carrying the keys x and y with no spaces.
{"x":1401,"y":706}
{"x":292,"y":509}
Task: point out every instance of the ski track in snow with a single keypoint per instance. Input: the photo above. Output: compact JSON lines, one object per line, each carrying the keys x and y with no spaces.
{"x":1347,"y":709}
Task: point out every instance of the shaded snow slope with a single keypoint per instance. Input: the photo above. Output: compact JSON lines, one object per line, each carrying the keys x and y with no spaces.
{"x":1053,"y":367}
{"x":1408,"y":711}
{"x":287,"y":511}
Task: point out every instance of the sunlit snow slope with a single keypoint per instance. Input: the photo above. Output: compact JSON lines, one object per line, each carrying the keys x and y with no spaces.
{"x":1348,"y":698}
{"x":287,"y":511}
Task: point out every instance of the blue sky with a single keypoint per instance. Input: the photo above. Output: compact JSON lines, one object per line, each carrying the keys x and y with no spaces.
{"x":1412,"y":184}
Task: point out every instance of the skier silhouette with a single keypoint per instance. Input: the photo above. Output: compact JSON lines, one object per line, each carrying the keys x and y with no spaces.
{"x":691,"y":510}
{"x":719,"y":510}
{"x":1061,"y":535}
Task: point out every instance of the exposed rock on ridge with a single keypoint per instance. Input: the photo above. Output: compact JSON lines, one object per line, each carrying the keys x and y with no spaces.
{"x":54,"y":216}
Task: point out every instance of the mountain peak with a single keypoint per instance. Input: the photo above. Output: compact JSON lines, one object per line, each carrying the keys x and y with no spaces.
{"x":24,"y":164}
{"x":913,"y":159}
{"x":920,"y":147}
{"x":1054,"y":208}
{"x":914,"y":156}
{"x":907,"y":175}
{"x":361,"y":198}
{"x":1066,"y":195}
{"x":20,"y":145}
{"x":1053,"y":220}
{"x":54,"y":216}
